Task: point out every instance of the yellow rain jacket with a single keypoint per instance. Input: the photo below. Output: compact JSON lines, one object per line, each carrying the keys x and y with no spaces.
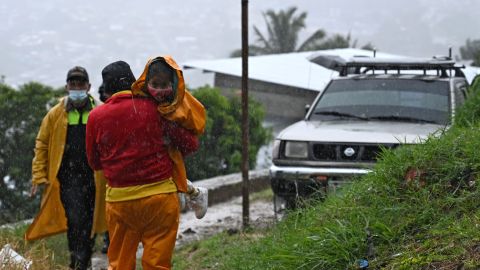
{"x":185,"y":110}
{"x":49,"y":147}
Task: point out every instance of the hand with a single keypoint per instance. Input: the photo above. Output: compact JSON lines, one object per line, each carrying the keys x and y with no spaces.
{"x":33,"y":190}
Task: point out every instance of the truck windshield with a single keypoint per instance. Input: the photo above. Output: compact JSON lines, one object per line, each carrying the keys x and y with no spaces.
{"x":404,"y":100}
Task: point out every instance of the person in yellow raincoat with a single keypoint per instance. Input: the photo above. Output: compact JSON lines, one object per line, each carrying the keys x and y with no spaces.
{"x":74,"y":197}
{"x":163,"y":80}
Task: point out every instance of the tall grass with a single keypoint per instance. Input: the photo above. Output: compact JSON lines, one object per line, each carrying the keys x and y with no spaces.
{"x":50,"y":253}
{"x":46,"y":254}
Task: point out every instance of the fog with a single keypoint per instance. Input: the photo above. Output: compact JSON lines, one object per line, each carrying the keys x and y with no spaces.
{"x":41,"y":40}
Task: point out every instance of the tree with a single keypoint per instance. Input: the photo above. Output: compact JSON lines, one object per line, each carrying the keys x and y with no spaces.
{"x":220,"y":145}
{"x":283,"y":29}
{"x":22,"y":111}
{"x":471,"y":51}
{"x":476,"y":59}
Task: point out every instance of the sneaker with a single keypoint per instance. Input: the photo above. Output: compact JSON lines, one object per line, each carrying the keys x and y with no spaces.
{"x":199,"y":202}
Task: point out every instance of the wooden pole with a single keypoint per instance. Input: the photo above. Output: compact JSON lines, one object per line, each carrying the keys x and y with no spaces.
{"x":245,"y":182}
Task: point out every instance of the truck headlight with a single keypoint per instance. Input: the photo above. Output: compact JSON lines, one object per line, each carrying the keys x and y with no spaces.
{"x":296,"y":150}
{"x":276,"y":149}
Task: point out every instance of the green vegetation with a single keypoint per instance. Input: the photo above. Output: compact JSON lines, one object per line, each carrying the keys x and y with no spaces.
{"x":50,"y":253}
{"x":428,"y":222}
{"x":283,"y":29}
{"x":220,"y":150}
{"x":21,"y":112}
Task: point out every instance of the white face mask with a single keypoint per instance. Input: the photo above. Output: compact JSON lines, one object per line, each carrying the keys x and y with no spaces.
{"x":77,"y":95}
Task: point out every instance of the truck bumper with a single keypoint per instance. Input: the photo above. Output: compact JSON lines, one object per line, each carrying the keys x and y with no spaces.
{"x":290,"y":182}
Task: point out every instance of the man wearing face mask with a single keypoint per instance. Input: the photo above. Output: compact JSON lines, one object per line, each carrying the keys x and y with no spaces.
{"x":60,"y":162}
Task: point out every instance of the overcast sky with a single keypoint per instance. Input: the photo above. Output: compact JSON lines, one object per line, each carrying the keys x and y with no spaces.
{"x":41,"y":40}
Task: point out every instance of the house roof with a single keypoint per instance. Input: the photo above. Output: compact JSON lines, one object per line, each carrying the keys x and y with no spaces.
{"x":291,"y":69}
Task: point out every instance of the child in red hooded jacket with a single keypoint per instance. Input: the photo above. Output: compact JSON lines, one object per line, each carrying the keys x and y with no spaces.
{"x":161,"y":84}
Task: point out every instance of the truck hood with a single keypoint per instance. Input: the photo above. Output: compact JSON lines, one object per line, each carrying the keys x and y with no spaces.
{"x":374,"y":132}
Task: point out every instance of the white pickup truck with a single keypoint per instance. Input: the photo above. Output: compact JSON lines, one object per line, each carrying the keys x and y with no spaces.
{"x":373,"y":104}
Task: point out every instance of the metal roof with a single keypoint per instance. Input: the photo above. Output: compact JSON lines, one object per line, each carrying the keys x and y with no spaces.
{"x":291,"y":69}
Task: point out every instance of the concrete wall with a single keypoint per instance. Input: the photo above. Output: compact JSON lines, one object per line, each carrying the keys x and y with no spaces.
{"x":280,"y":101}
{"x":225,"y":187}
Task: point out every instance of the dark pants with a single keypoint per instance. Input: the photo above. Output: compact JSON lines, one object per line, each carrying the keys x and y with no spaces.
{"x":77,"y":192}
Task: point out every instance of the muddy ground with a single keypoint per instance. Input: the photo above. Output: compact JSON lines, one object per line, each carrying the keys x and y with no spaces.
{"x":220,"y":217}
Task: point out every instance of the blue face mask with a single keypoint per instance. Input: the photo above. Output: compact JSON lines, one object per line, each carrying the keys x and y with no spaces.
{"x":77,"y":95}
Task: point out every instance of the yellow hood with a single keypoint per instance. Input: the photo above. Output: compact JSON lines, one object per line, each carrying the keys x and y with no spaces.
{"x":184,"y":109}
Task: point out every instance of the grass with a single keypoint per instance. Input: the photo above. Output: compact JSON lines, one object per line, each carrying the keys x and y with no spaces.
{"x":264,"y":195}
{"x":45,"y":254}
{"x":49,"y":253}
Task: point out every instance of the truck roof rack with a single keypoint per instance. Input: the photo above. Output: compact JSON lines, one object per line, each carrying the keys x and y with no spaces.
{"x":363,"y":64}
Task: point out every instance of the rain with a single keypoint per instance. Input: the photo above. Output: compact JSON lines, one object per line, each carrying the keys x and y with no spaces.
{"x":42,"y":40}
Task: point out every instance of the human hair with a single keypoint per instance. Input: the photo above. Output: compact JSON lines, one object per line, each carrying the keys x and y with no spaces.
{"x":159,"y":66}
{"x":117,"y":76}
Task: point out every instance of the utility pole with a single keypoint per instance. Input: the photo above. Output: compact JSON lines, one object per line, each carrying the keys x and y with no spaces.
{"x":245,"y":180}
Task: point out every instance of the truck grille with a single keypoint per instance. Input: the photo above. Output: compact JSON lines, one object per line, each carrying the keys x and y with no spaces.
{"x":348,"y":152}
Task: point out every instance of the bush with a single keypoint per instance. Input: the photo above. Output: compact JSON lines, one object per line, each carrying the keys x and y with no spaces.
{"x":21,"y":112}
{"x":221,"y":145}
{"x":468,"y":114}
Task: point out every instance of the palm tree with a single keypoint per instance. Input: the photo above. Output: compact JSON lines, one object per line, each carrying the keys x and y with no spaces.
{"x":282,"y":35}
{"x":471,"y":51}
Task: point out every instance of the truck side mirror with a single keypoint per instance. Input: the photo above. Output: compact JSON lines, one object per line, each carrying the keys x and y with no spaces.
{"x":307,"y":107}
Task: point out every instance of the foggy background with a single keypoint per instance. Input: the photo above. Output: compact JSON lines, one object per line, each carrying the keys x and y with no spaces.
{"x":41,"y":40}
